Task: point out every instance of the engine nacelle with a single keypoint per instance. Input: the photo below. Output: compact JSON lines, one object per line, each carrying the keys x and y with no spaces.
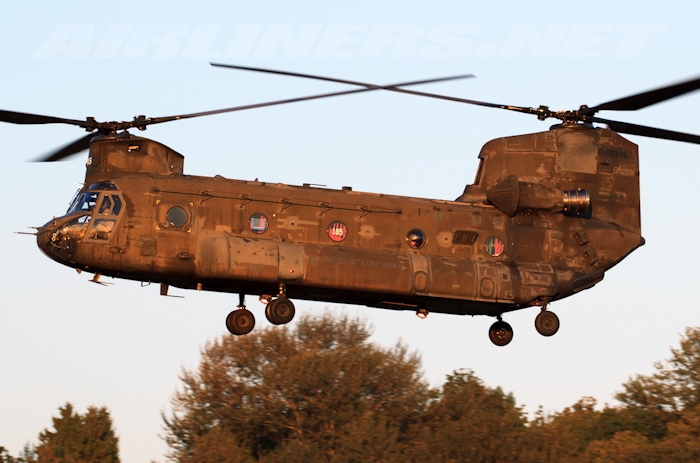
{"x":512,"y":196}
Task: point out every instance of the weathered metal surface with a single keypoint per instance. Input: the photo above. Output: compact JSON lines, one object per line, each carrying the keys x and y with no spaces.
{"x":506,"y":243}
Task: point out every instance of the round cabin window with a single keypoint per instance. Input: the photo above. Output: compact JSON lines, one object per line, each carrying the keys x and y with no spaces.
{"x":337,"y":231}
{"x":258,"y":224}
{"x":495,"y":246}
{"x":415,"y":238}
{"x":177,"y":216}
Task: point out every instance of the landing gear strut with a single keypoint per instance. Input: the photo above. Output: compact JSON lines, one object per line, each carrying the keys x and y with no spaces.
{"x":242,"y":320}
{"x":281,"y":310}
{"x":500,"y":333}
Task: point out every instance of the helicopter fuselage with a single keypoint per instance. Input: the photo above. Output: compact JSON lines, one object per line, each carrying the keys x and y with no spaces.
{"x":548,"y":214}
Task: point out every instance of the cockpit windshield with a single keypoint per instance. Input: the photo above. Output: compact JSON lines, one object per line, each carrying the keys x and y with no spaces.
{"x":84,"y":202}
{"x":87,"y":200}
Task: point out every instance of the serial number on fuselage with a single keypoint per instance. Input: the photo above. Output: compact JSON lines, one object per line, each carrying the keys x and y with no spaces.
{"x":614,"y":153}
{"x":358,"y":262}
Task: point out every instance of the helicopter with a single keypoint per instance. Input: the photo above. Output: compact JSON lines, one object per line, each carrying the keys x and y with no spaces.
{"x":547,"y":215}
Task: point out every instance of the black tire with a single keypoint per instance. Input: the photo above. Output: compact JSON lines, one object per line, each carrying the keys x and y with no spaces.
{"x":501,"y":333}
{"x":547,"y":323}
{"x":280,"y":311}
{"x":240,"y":322}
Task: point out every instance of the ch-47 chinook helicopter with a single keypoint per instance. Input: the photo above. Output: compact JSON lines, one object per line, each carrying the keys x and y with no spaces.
{"x":548,"y":214}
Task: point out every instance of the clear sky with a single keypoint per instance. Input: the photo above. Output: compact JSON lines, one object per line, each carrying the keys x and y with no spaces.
{"x":123,"y":346}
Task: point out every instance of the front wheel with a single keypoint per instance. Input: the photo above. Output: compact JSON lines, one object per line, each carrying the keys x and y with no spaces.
{"x":240,"y":322}
{"x":500,"y":333}
{"x":547,"y":323}
{"x":280,"y":311}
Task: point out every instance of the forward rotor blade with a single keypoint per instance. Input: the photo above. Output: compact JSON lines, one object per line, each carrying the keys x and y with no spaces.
{"x":368,"y":88}
{"x":642,"y":100}
{"x":158,"y":120}
{"x":26,"y":119}
{"x":75,"y":147}
{"x":651,"y":132}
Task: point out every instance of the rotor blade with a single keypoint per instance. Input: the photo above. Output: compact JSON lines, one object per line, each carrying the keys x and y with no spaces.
{"x":393,"y":88}
{"x":368,"y":88}
{"x":642,"y":100}
{"x":75,"y":147}
{"x":25,"y":118}
{"x":520,"y":109}
{"x":651,"y":132}
{"x":158,"y":120}
{"x":341,"y":81}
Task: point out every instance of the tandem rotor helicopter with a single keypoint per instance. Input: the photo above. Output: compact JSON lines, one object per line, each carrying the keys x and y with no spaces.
{"x":548,"y":214}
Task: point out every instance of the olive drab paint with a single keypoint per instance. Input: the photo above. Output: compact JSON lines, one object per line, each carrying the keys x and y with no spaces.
{"x":512,"y":240}
{"x":548,"y":214}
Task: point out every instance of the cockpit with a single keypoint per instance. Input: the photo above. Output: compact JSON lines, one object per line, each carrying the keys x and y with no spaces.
{"x":92,"y":216}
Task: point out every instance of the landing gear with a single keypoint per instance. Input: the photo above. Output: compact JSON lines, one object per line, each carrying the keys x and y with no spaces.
{"x":546,"y":323}
{"x":280,"y":311}
{"x":500,"y":333}
{"x":242,"y":320}
{"x":422,"y":313}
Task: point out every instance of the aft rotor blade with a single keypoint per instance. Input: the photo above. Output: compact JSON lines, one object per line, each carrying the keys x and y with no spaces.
{"x":75,"y":147}
{"x":14,"y":117}
{"x":520,"y":109}
{"x":642,"y":100}
{"x":651,"y":132}
{"x":393,"y":88}
{"x":340,"y":81}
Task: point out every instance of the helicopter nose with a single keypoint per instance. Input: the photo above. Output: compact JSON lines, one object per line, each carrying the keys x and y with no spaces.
{"x":59,"y":239}
{"x":43,"y":240}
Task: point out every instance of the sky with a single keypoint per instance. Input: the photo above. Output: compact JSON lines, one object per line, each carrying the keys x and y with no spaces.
{"x":123,"y":346}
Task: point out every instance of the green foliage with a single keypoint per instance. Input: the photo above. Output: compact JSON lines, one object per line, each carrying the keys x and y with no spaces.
{"x":323,"y":392}
{"x":78,"y":438}
{"x":676,"y":384}
{"x":471,"y":422}
{"x":5,"y":456}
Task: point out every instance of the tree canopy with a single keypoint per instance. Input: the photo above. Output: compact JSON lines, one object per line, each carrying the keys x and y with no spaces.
{"x":321,"y":391}
{"x":77,"y":438}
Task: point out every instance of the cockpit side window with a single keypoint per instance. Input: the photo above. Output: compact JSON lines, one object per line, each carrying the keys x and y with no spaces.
{"x":111,"y":205}
{"x":102,"y":229}
{"x":106,"y":207}
{"x":106,"y":216}
{"x":116,"y":209}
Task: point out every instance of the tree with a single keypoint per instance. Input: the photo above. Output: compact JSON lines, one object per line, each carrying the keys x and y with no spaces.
{"x":319,"y":391}
{"x":78,"y":438}
{"x":676,"y":384}
{"x":471,"y":422}
{"x":5,"y":456}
